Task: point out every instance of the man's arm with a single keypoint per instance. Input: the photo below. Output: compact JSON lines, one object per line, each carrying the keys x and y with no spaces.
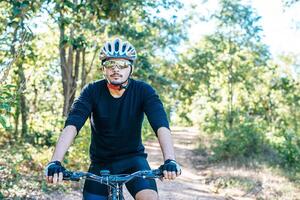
{"x":167,"y":148}
{"x":79,"y":112}
{"x":166,"y":143}
{"x":158,"y":120}
{"x":64,"y":142}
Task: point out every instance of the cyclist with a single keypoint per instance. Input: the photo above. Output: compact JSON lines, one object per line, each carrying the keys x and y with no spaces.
{"x":116,"y":107}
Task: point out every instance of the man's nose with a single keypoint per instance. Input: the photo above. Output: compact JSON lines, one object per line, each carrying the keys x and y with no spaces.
{"x":115,"y":68}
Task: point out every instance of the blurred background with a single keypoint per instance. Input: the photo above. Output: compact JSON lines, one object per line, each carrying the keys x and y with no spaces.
{"x":228,"y":68}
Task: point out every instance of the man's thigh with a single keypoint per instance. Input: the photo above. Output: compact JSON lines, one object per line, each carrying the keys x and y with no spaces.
{"x":91,"y":196}
{"x":137,"y":185}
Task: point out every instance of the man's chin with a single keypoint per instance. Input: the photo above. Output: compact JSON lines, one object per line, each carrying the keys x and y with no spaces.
{"x":116,"y":82}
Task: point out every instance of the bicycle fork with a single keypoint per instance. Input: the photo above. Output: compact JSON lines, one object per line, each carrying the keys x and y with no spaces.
{"x":116,"y":193}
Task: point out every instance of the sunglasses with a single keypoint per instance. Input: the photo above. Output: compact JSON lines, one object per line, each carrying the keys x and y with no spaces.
{"x":120,"y":64}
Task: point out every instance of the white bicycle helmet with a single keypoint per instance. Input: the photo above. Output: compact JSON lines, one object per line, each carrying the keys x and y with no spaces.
{"x":118,"y":49}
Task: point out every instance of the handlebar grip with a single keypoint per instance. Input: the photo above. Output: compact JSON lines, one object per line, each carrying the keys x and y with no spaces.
{"x":157,"y":172}
{"x":67,"y":175}
{"x":70,"y":176}
{"x":150,"y":174}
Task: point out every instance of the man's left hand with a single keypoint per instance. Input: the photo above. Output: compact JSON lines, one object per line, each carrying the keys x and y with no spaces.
{"x":170,"y":169}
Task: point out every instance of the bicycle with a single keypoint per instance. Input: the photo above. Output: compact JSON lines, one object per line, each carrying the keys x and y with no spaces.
{"x":114,"y":182}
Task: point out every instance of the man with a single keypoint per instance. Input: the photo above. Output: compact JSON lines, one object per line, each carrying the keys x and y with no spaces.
{"x":116,"y":107}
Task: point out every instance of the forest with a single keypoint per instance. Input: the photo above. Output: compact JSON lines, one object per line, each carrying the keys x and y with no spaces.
{"x":243,"y":100}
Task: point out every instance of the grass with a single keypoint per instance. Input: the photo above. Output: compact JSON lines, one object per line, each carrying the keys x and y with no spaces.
{"x":261,"y":182}
{"x":22,"y":174}
{"x":260,"y":177}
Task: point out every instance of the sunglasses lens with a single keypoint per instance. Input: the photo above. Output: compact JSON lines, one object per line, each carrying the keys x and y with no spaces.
{"x":116,"y":63}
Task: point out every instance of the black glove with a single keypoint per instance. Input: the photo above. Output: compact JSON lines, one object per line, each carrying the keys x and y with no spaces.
{"x":54,"y":167}
{"x":170,"y":166}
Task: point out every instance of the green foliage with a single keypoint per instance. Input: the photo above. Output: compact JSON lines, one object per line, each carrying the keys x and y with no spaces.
{"x":243,"y":140}
{"x":78,"y":154}
{"x":286,"y":114}
{"x":22,"y":172}
{"x":289,"y":149}
{"x":147,"y":132}
{"x":7,"y":101}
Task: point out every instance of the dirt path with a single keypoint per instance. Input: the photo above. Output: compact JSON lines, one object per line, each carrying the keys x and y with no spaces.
{"x":190,"y":185}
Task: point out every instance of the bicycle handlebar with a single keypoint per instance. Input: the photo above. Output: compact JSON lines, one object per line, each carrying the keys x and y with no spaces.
{"x":112,"y":179}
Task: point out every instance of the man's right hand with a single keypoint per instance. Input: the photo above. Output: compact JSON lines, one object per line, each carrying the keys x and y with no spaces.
{"x":54,"y":172}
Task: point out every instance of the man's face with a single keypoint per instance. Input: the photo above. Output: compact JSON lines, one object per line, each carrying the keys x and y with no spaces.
{"x":117,"y":71}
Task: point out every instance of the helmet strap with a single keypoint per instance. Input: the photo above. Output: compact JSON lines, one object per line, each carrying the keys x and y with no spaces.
{"x":120,"y":86}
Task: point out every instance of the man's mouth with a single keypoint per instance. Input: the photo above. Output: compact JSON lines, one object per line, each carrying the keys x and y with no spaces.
{"x":116,"y":75}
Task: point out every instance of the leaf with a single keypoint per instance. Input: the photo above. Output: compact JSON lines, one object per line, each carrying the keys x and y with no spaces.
{"x":16,"y":11}
{"x":3,"y":122}
{"x":13,"y":24}
{"x":10,"y":86}
{"x":69,"y":4}
{"x":5,"y":106}
{"x":7,"y":94}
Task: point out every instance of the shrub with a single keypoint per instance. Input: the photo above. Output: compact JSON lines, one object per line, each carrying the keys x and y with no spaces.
{"x":289,"y":149}
{"x":243,"y":140}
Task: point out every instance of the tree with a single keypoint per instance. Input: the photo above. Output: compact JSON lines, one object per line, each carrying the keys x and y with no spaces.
{"x":221,"y":74}
{"x":18,"y":37}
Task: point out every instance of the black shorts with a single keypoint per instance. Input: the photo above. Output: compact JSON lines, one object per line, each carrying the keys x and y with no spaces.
{"x":126,"y":166}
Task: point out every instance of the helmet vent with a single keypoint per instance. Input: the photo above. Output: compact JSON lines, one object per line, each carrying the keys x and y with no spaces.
{"x":117,"y":45}
{"x":118,"y":49}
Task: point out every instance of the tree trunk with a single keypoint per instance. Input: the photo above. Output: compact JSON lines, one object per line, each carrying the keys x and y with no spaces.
{"x":17,"y":112}
{"x":74,"y":79}
{"x":35,"y":99}
{"x":17,"y":116}
{"x":83,"y":70}
{"x":23,"y":105}
{"x":69,"y":80}
{"x":66,"y":67}
{"x":63,"y":62}
{"x":230,"y":85}
{"x":230,"y":96}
